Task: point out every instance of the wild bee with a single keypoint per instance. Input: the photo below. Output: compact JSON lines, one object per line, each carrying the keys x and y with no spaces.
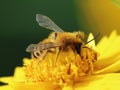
{"x":58,"y":38}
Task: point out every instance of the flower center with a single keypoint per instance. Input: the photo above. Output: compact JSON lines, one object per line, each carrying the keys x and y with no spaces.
{"x":61,"y":67}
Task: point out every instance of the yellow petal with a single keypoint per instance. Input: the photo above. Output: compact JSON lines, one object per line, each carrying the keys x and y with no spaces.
{"x":101,"y":46}
{"x":100,"y":82}
{"x":107,"y":65}
{"x":113,"y":44}
{"x":35,"y":86}
{"x":109,"y":60}
{"x":19,"y":74}
{"x":6,"y":79}
{"x":91,"y":43}
{"x":26,"y":61}
{"x":68,"y":88}
{"x":109,"y":45}
{"x":6,"y":87}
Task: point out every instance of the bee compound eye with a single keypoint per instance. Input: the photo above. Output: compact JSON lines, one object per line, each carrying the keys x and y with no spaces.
{"x":78,"y":47}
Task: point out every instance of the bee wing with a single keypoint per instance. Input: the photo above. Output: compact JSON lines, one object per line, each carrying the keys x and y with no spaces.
{"x":40,"y":47}
{"x":45,"y":46}
{"x":46,"y":22}
{"x":31,"y":47}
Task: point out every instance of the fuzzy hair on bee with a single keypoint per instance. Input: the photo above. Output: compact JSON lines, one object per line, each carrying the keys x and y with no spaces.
{"x":58,"y":38}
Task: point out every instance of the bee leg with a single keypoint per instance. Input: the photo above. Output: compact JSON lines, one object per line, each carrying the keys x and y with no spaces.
{"x":43,"y":55}
{"x":60,"y":50}
{"x":52,"y":50}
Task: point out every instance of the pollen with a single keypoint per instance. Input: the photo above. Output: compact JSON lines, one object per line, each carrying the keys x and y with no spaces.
{"x":66,"y":68}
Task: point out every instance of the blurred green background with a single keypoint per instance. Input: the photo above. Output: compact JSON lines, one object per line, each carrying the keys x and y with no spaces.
{"x":18,"y":27}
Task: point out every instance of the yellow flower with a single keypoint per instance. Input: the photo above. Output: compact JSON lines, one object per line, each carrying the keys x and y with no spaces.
{"x":71,"y":71}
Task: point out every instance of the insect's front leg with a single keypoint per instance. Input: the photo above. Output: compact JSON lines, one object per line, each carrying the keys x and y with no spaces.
{"x":58,"y":54}
{"x":43,"y":55}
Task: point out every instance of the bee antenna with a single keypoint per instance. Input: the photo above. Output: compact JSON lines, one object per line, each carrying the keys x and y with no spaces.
{"x":93,"y":38}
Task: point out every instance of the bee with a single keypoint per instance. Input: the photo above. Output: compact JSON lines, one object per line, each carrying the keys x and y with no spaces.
{"x":58,"y":38}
